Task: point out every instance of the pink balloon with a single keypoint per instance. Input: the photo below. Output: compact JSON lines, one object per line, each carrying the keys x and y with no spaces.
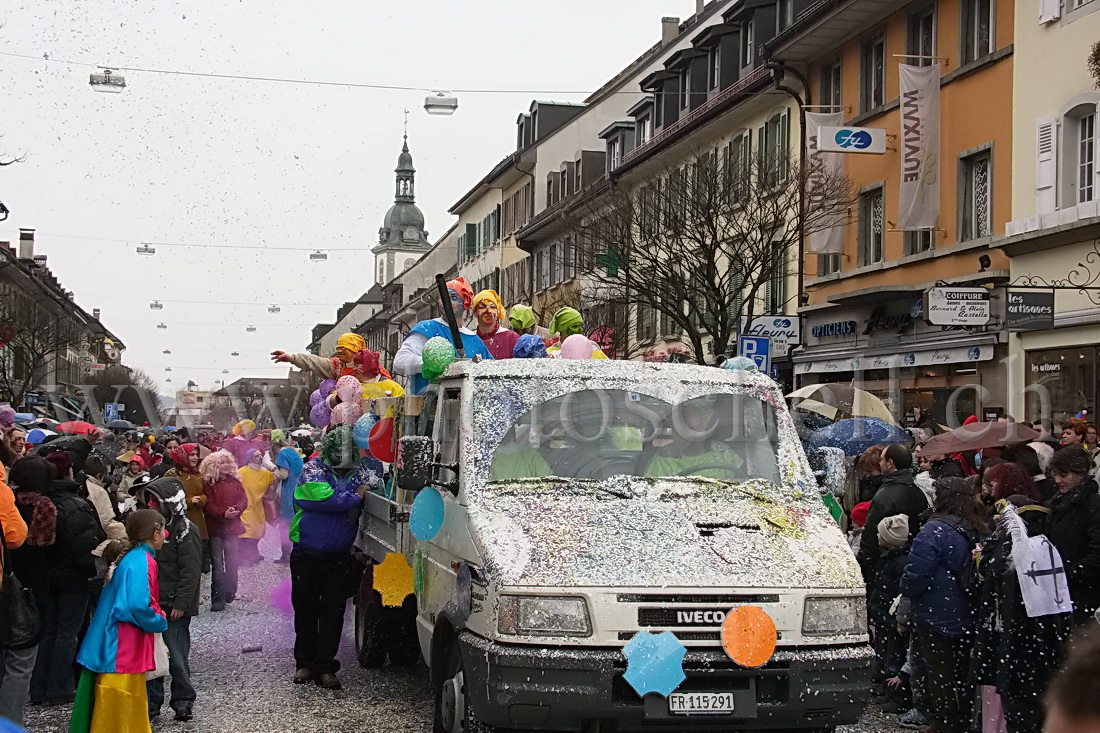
{"x":346,"y":413}
{"x":577,"y":347}
{"x":349,"y":389}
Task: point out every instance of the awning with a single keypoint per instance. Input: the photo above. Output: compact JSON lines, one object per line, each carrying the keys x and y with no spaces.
{"x":926,"y":357}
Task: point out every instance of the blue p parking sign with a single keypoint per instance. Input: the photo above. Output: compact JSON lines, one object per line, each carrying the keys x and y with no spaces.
{"x":110,"y":411}
{"x":757,"y":348}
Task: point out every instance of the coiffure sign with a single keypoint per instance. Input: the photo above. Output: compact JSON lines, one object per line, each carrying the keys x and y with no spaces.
{"x":948,"y":306}
{"x":785,"y":332}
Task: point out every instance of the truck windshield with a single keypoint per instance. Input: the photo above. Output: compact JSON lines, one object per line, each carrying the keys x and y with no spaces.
{"x":598,"y":433}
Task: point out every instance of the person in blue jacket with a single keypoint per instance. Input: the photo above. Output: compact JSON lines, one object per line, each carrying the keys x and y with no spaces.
{"x":327,"y":506}
{"x":409,"y":358}
{"x":942,"y":612}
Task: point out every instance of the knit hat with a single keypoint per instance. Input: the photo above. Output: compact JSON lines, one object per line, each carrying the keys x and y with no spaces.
{"x":894,"y":531}
{"x":859,"y":513}
{"x":521,"y":316}
{"x":492,"y":297}
{"x":353,"y":342}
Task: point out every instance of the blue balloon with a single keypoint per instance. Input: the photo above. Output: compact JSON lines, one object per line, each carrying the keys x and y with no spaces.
{"x":426,"y":517}
{"x":361,"y":431}
{"x":654,"y":663}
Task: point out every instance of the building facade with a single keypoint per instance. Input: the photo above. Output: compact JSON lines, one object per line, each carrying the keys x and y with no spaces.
{"x":1052,"y":238}
{"x":863,"y":314}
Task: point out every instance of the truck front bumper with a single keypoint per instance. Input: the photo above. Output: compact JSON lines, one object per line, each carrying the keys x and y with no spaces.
{"x":558,"y":688}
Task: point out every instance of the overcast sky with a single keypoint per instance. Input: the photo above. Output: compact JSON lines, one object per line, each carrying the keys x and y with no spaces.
{"x":200,"y":160}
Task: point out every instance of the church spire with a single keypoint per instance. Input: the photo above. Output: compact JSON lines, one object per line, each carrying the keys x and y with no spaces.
{"x":405,"y":175}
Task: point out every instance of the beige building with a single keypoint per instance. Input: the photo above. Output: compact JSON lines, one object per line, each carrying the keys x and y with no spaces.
{"x":1052,"y":238}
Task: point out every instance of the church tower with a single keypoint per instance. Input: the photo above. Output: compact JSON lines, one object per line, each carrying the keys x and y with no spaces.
{"x":402,"y":239}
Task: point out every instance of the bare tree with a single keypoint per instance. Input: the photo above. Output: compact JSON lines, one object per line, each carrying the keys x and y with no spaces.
{"x":32,"y":331}
{"x":132,"y":387}
{"x":699,"y":245}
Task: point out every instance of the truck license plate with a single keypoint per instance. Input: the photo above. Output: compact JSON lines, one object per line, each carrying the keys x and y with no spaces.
{"x":701,"y":703}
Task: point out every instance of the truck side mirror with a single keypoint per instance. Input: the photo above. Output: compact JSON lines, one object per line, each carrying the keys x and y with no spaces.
{"x":416,"y":462}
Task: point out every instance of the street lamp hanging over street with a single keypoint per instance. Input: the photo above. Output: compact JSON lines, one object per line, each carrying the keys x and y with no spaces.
{"x":318,"y":256}
{"x":166,"y":351}
{"x":251,"y":329}
{"x":273,"y":309}
{"x":156,"y":305}
{"x":107,"y":81}
{"x":162,"y":326}
{"x":440,"y":103}
{"x":146,"y":250}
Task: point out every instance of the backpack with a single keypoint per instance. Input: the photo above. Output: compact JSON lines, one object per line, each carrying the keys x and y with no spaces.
{"x":969,"y":576}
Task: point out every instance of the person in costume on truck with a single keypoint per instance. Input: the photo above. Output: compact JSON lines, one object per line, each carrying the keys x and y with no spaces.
{"x":490,"y":316}
{"x":409,"y":358}
{"x":353,"y":358}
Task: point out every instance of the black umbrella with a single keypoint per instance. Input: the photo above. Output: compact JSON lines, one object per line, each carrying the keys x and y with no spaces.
{"x":121,"y":425}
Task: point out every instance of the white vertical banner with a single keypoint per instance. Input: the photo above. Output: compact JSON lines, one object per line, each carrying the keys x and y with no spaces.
{"x":824,"y":169}
{"x":919,"y":194}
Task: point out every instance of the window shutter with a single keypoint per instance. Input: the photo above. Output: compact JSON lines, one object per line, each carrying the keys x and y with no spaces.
{"x":1046,"y":165}
{"x":496,"y":224}
{"x":784,"y":147}
{"x":1049,"y":10}
{"x":471,"y":241}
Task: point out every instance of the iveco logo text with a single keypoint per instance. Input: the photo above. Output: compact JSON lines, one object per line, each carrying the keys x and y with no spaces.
{"x":857,"y":139}
{"x":700,"y":617}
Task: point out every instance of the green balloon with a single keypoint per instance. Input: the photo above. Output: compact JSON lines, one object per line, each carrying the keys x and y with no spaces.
{"x":437,"y":356}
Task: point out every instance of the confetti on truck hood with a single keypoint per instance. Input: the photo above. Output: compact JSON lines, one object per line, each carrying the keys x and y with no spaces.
{"x":674,"y":533}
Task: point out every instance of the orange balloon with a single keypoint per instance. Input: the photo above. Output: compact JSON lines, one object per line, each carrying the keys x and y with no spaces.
{"x":748,"y":636}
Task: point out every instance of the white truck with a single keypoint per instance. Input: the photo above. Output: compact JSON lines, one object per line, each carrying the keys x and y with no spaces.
{"x":588,"y":501}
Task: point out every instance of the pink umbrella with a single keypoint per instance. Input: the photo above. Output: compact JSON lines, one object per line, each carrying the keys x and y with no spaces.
{"x":979,"y":435}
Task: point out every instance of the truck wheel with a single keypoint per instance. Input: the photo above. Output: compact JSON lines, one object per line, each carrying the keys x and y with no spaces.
{"x":453,"y":713}
{"x":404,"y":646}
{"x":370,"y":646}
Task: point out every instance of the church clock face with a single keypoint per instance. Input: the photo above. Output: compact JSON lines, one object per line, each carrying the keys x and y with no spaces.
{"x":412,"y":235}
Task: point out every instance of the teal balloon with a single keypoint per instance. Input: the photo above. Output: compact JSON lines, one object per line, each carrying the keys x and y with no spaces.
{"x":426,"y":517}
{"x":437,"y":355}
{"x":361,"y":431}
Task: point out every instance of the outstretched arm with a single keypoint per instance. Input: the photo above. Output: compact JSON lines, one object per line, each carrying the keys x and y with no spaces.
{"x":319,"y":365}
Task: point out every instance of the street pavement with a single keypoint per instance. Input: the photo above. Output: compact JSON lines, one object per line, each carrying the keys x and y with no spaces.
{"x":252,"y":692}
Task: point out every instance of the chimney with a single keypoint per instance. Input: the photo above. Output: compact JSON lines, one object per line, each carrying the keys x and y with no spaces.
{"x":26,"y":244}
{"x":699,"y":4}
{"x":95,"y":313}
{"x":670,"y":28}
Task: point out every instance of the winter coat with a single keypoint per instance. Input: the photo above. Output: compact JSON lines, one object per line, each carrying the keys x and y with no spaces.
{"x":868,"y":487}
{"x":327,"y":506}
{"x":57,"y":553}
{"x":15,"y":528}
{"x":76,"y":447}
{"x":192,"y":486}
{"x":1074,"y":528}
{"x":179,"y":560}
{"x":108,"y":515}
{"x":930,"y":580}
{"x":120,"y":636}
{"x":1013,"y":652}
{"x":219,"y":497}
{"x":887,"y":583}
{"x":898,"y":494}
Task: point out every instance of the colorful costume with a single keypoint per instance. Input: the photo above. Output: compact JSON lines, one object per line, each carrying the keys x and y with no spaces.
{"x":501,"y":341}
{"x":409,"y":360}
{"x":118,"y":648}
{"x":239,"y":445}
{"x":566,"y":322}
{"x":256,"y":482}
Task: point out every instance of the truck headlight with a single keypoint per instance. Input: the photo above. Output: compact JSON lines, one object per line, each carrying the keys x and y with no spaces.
{"x":834,"y":616}
{"x":543,"y":616}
